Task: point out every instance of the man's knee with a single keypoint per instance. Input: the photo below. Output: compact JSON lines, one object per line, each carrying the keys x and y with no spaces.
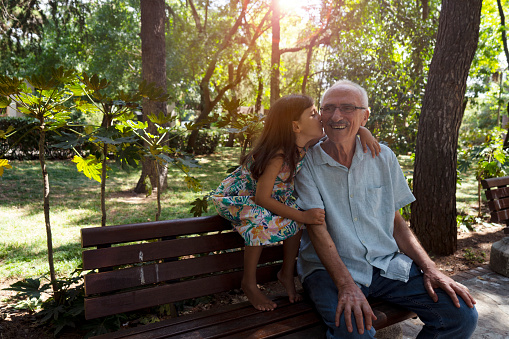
{"x":463,"y":321}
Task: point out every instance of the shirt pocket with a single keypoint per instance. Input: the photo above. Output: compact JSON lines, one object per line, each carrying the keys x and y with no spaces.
{"x":379,"y":201}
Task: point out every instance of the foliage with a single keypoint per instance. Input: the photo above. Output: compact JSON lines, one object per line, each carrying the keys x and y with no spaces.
{"x":4,"y":164}
{"x":206,"y":143}
{"x":38,"y":35}
{"x":385,"y":47}
{"x":45,"y":102}
{"x":473,"y":257}
{"x":23,"y":145}
{"x":488,"y":158}
{"x":69,"y":312}
{"x":466,"y":222}
{"x":245,"y":124}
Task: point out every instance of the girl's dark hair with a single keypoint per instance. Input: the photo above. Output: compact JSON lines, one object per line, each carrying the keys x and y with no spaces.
{"x":278,"y":136}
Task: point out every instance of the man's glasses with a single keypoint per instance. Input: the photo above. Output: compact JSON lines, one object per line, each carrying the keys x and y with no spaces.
{"x":345,"y":108}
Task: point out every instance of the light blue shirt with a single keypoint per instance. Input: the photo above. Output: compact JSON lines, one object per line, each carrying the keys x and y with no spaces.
{"x":359,"y":204}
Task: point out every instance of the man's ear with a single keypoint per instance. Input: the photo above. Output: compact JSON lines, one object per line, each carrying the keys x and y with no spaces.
{"x":295,"y":126}
{"x":366,"y":116}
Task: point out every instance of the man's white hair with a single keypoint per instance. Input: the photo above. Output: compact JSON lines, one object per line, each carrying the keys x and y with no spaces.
{"x":362,"y":91}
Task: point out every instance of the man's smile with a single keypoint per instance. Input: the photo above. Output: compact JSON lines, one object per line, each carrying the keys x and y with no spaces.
{"x":339,"y":125}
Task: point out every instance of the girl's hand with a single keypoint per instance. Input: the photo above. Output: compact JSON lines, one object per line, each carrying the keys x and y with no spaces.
{"x":314,"y":216}
{"x":368,"y":140}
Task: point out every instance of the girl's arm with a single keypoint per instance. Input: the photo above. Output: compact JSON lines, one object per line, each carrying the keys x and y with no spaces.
{"x":264,"y":198}
{"x":368,"y":140}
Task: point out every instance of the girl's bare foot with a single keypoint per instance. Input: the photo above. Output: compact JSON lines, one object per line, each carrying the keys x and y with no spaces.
{"x":259,"y":300}
{"x":289,"y":285}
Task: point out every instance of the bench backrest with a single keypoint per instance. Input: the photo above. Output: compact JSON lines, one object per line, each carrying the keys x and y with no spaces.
{"x":497,"y":195}
{"x":154,"y":263}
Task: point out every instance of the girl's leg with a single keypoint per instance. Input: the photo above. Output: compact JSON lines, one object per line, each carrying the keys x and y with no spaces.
{"x":286,"y":274}
{"x":253,"y":293}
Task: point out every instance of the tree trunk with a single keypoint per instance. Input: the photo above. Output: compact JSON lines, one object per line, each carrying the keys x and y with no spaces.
{"x":153,"y":66}
{"x":49,"y":237}
{"x":275,"y":55}
{"x":433,"y":216}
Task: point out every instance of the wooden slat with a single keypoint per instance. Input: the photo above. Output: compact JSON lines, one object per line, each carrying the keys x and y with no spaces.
{"x":167,"y":293}
{"x":243,"y":321}
{"x":138,"y":253}
{"x":497,"y":205}
{"x":230,"y":313}
{"x":237,"y":327}
{"x":281,"y":327}
{"x":207,"y":317}
{"x":497,"y":193}
{"x":499,"y":216}
{"x":95,"y":236}
{"x":149,"y":274}
{"x":495,"y":182}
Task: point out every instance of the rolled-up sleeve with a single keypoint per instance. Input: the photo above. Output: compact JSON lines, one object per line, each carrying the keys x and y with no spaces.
{"x":401,"y":192}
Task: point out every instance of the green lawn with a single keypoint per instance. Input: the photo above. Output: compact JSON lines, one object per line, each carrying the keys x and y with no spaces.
{"x":75,"y":203}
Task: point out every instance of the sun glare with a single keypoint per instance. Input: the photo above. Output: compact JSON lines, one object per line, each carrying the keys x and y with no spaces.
{"x":290,"y":5}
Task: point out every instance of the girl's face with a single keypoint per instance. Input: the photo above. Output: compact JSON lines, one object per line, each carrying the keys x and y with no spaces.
{"x":309,"y":125}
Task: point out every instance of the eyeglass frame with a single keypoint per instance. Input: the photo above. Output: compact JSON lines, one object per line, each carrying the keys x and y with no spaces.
{"x":339,"y":107}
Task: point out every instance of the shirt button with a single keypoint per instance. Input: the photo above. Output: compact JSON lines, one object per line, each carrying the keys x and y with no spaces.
{"x":354,"y":219}
{"x":351,"y":195}
{"x":367,"y":285}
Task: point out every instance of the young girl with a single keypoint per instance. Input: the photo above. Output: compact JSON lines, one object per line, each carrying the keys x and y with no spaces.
{"x":257,"y":196}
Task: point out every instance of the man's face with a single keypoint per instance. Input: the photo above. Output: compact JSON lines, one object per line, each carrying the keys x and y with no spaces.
{"x":339,"y":124}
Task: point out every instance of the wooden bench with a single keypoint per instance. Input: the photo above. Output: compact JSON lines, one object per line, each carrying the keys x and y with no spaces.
{"x":497,"y":195}
{"x":154,"y":263}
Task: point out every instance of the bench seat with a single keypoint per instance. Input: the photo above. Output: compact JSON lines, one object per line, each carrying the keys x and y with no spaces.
{"x":142,"y":265}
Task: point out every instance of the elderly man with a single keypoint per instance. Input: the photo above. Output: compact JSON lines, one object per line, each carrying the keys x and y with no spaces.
{"x":365,"y":247}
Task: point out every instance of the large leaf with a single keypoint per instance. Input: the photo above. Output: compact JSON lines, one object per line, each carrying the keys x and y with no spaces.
{"x":4,"y":163}
{"x":28,"y":287}
{"x":4,"y":101}
{"x":69,"y":140}
{"x":90,"y":166}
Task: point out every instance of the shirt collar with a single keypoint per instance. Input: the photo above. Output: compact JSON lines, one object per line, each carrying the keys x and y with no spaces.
{"x":323,"y":158}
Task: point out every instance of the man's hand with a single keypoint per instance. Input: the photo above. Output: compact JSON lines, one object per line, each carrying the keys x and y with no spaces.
{"x":433,"y":278}
{"x":351,"y":299}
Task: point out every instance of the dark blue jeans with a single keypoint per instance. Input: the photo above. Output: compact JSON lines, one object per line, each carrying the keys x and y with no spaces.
{"x":441,"y":319}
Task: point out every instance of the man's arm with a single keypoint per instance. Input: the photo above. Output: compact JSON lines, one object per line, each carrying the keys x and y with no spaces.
{"x":433,"y":278}
{"x":350,"y":297}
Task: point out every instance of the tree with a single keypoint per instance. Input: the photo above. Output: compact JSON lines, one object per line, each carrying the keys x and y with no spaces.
{"x":46,"y":103}
{"x":433,"y":215}
{"x":223,"y":48}
{"x":383,"y":46}
{"x":153,"y":58}
{"x":275,"y":55}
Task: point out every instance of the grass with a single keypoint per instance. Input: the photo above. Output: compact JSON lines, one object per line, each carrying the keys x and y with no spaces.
{"x":75,"y":203}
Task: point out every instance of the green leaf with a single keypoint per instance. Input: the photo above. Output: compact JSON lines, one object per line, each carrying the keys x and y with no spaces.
{"x":4,"y":163}
{"x":160,"y":119}
{"x":90,"y":166}
{"x":499,"y":155}
{"x":148,"y":186}
{"x":193,"y":183}
{"x":4,"y":101}
{"x":200,"y":206}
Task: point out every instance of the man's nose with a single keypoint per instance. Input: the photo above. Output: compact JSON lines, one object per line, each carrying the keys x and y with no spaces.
{"x":337,"y":115}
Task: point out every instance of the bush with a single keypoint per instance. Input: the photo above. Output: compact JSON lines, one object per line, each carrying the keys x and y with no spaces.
{"x":28,"y":147}
{"x":206,"y":143}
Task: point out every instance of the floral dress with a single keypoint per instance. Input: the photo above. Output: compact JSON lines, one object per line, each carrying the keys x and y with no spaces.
{"x":234,"y":200}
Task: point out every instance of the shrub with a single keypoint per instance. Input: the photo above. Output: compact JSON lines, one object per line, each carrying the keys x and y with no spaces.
{"x":207,"y":141}
{"x":27,"y":148}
